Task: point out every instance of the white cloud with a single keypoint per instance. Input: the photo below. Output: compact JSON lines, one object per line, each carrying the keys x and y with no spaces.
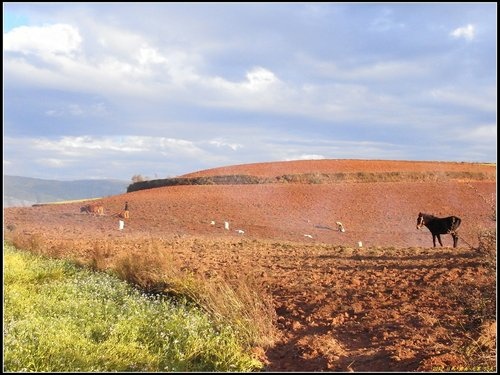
{"x":148,"y":55}
{"x":483,"y":98}
{"x":81,"y":146}
{"x":110,"y":157}
{"x":385,"y":21}
{"x":75,"y":109}
{"x":483,"y":134}
{"x":381,"y":71}
{"x":98,"y":109}
{"x":467,"y":32}
{"x":221,"y":143}
{"x":332,"y":149}
{"x":174,"y":147}
{"x":146,"y":72}
{"x":53,"y":113}
{"x":118,"y":62}
{"x":51,"y":39}
{"x":54,"y":163}
{"x":119,"y":42}
{"x":307,"y":157}
{"x":259,"y":79}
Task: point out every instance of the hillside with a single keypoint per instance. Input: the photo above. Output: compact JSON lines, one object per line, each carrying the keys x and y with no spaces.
{"x":330,"y":166}
{"x":377,"y":297}
{"x":327,"y":172}
{"x":25,"y":191}
{"x":376,"y":213}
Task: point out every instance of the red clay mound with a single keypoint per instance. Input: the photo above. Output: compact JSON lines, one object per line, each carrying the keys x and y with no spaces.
{"x":272,"y":169}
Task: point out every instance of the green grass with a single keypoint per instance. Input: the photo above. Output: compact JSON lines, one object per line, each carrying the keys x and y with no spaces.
{"x":59,"y":317}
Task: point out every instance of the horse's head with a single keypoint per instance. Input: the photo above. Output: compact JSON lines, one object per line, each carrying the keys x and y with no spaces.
{"x":83,"y":209}
{"x":420,"y":220}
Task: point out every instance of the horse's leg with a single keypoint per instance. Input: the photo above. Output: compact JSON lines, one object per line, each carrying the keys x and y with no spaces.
{"x":434,"y":239}
{"x":455,"y":239}
{"x":439,"y":239}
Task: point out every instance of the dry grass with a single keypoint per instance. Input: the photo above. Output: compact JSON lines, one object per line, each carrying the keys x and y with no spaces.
{"x":488,"y":247}
{"x":241,"y":302}
{"x":152,"y":267}
{"x":480,"y":354}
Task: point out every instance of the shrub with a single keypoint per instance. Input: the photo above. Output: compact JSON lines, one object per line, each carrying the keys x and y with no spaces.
{"x":137,"y":178}
{"x":487,"y":247}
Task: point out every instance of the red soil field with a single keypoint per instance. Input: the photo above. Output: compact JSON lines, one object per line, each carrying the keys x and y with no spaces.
{"x":376,"y":297}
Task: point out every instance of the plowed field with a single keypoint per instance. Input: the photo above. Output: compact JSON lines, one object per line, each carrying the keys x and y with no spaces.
{"x":376,"y":297}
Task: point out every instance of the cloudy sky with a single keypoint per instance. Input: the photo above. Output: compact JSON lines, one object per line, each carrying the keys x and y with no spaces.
{"x":162,"y":89}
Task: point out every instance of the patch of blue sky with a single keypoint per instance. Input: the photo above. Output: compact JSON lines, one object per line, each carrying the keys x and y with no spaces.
{"x":12,"y":20}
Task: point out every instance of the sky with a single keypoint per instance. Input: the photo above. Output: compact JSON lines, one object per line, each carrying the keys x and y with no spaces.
{"x":113,"y":90}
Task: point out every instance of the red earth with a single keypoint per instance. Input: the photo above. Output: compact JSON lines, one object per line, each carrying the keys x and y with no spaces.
{"x":376,"y":297}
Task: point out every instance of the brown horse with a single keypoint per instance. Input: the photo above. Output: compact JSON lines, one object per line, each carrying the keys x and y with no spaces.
{"x":93,"y":209}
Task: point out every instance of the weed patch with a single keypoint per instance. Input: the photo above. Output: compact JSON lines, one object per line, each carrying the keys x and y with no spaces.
{"x":59,"y":317}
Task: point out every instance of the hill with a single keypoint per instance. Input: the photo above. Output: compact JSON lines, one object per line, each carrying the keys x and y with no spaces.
{"x":26,"y":191}
{"x":376,"y":212}
{"x":327,"y":172}
{"x":331,"y":166}
{"x":376,"y":297}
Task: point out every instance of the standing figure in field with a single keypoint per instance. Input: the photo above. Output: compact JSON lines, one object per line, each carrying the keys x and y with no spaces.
{"x":125,"y":211}
{"x":438,"y":226}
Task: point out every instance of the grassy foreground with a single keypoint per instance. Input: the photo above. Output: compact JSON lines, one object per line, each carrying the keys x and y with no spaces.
{"x":59,"y":317}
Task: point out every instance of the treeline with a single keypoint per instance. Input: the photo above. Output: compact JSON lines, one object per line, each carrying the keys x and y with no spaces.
{"x":314,"y":178}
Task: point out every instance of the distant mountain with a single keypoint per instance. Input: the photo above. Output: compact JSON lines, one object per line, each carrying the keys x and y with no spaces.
{"x":25,"y":191}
